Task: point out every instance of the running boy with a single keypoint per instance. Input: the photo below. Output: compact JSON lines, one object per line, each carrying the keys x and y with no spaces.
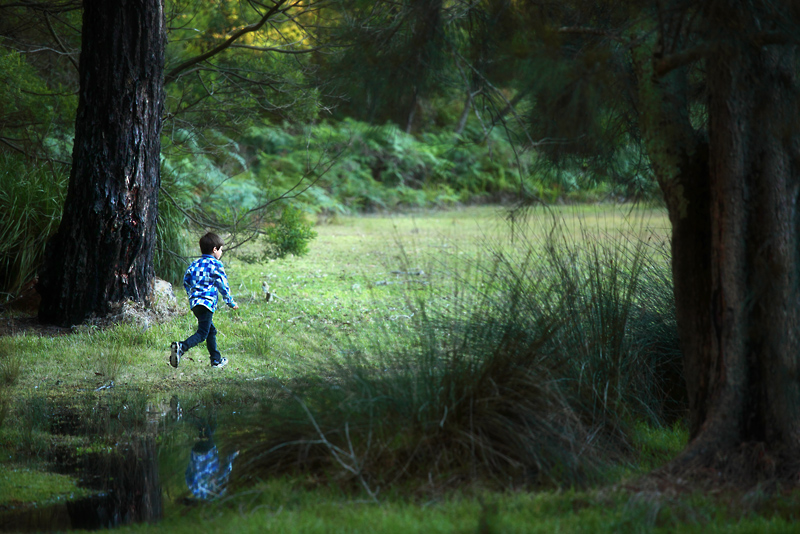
{"x":203,"y":279}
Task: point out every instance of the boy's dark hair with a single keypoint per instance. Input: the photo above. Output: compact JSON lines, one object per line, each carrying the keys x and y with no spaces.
{"x":209,"y":242}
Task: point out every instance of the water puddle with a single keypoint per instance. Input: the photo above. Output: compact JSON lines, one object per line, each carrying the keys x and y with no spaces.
{"x":134,"y":469}
{"x":127,"y":491}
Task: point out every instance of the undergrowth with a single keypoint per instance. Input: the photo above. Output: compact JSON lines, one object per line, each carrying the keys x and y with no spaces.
{"x":531,"y":372}
{"x":30,"y":210}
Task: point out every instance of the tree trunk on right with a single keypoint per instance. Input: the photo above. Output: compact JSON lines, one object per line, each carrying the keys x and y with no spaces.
{"x":732,"y":198}
{"x":739,"y":319}
{"x":751,"y":356}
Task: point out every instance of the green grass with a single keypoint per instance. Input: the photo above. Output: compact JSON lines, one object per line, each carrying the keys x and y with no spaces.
{"x":281,"y":506}
{"x":23,"y":486}
{"x":344,"y":284}
{"x":364,"y":277}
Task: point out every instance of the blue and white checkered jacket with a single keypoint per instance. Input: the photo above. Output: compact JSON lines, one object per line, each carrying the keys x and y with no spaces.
{"x":205,"y":476}
{"x":204,"y":277}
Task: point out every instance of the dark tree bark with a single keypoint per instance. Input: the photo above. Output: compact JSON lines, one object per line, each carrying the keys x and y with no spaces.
{"x":736,"y":245}
{"x":680,"y":160}
{"x":749,"y":362}
{"x":103,"y":251}
{"x":732,"y":200}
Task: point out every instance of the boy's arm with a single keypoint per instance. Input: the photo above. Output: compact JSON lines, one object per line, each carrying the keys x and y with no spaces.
{"x":224,"y":289}
{"x":187,"y":280}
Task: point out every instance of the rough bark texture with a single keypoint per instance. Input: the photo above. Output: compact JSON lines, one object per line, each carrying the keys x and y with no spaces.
{"x":732,"y":201}
{"x":679,"y":154}
{"x":751,"y":358}
{"x":103,"y":251}
{"x":691,"y":274}
{"x":736,"y":246}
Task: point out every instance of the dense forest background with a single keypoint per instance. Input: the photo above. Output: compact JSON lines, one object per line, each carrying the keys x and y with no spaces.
{"x":326,"y":106}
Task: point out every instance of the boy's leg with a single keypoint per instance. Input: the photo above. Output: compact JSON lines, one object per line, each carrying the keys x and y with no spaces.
{"x":211,"y":344}
{"x":204,"y":316}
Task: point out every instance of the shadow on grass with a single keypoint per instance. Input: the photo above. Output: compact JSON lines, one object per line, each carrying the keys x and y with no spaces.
{"x":530,"y":372}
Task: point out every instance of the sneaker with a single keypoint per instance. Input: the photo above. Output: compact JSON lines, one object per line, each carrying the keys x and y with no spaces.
{"x":222,"y":363}
{"x":175,"y":354}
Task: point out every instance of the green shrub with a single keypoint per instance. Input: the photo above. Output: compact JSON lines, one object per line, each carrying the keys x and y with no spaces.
{"x":31,"y":198}
{"x":351,"y":166}
{"x":290,"y":234}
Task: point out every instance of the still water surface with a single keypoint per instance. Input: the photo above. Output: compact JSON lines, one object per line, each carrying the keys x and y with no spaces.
{"x":175,"y":461}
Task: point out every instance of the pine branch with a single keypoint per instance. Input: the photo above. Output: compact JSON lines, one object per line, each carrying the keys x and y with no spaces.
{"x":173,"y":74}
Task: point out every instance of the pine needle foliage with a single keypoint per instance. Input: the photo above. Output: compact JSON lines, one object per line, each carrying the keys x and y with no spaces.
{"x":171,"y":240}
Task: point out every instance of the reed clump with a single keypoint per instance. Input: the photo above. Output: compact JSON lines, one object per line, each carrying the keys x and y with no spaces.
{"x":530,"y":372}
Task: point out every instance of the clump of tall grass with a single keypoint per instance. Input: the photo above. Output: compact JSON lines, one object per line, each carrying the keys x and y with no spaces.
{"x":31,"y":197}
{"x":528,"y":374}
{"x":112,"y":362}
{"x":10,"y":365}
{"x":617,"y":335}
{"x":461,"y":402}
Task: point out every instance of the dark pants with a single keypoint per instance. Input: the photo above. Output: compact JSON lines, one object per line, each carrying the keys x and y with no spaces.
{"x":205,"y":332}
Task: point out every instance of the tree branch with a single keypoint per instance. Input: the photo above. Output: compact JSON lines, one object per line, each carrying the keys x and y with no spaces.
{"x":774,"y":38}
{"x":281,"y":50}
{"x":276,"y":7}
{"x":60,"y":43}
{"x":247,"y":223}
{"x":591,"y":31}
{"x":671,"y":62}
{"x":8,"y":142}
{"x":68,"y":5}
{"x":667,"y":64}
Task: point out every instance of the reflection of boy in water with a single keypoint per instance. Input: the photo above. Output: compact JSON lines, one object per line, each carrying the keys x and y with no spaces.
{"x":205,"y":476}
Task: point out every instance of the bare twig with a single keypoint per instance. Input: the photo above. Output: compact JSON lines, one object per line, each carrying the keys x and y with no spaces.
{"x":60,"y":43}
{"x":338,"y":453}
{"x":669,"y":63}
{"x":281,"y":50}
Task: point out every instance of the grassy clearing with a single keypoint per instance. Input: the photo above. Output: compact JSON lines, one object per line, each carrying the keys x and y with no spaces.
{"x":355,"y":275}
{"x":374,"y":297}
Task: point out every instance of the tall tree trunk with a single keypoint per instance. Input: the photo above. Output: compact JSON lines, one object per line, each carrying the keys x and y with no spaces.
{"x":732,"y":202}
{"x":412,"y":113}
{"x":752,"y":391}
{"x":679,"y":155}
{"x":103,"y":251}
{"x":415,"y":77}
